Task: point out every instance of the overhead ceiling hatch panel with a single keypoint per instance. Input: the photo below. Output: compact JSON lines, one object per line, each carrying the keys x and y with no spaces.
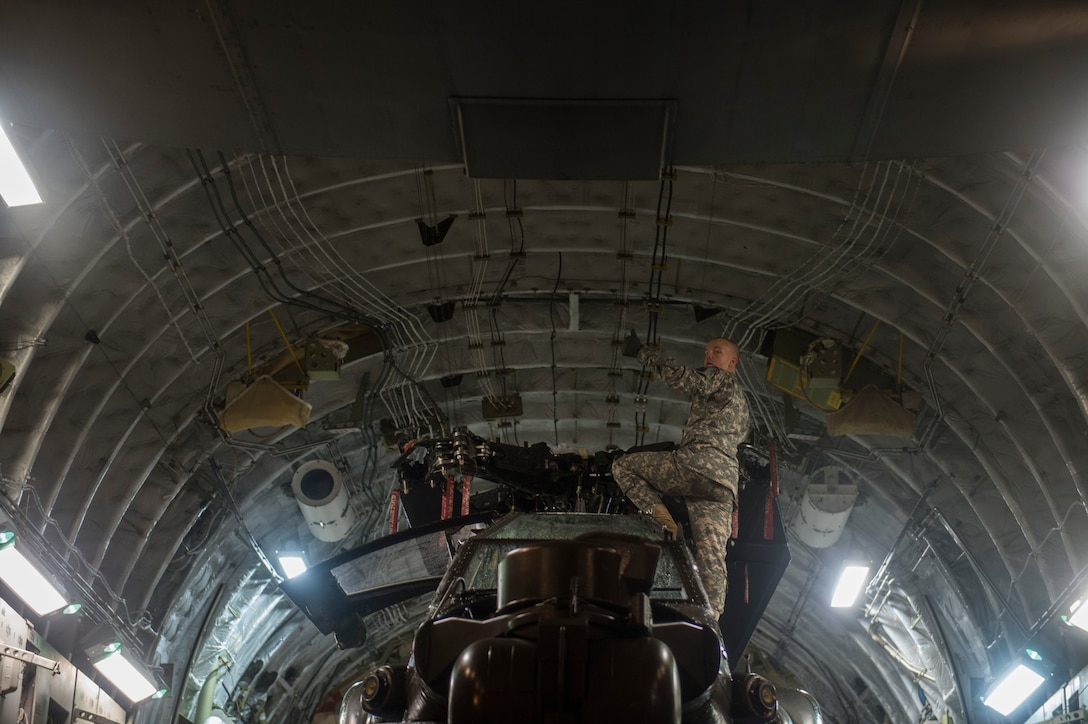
{"x":564,"y":139}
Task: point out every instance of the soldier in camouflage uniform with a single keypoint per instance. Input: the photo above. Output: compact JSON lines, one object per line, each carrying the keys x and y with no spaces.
{"x":703,"y":469}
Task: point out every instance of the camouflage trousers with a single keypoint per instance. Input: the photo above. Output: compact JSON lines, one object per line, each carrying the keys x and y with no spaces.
{"x":645,"y":476}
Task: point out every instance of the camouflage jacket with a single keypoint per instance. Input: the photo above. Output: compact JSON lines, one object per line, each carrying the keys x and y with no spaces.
{"x":718,"y":421}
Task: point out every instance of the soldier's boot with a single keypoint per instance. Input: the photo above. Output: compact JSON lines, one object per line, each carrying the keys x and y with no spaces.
{"x":662,"y":516}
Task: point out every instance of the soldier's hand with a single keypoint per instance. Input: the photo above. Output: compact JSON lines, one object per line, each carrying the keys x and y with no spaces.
{"x":631,"y":345}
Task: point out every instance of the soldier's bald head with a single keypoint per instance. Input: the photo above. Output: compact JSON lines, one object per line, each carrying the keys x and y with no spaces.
{"x":721,"y":353}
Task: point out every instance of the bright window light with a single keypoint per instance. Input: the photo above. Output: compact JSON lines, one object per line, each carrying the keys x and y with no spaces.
{"x":15,"y":184}
{"x":293,"y":564}
{"x":1078,"y":615}
{"x":1011,"y":691}
{"x":848,"y":588}
{"x":125,"y":676}
{"x":23,"y":578}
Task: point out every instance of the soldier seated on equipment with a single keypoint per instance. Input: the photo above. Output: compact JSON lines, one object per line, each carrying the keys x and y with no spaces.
{"x":703,"y":469}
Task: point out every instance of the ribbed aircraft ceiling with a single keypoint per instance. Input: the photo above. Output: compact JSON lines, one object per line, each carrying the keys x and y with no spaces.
{"x":223,"y":178}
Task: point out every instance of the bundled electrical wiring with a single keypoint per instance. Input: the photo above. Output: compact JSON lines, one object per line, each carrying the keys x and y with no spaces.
{"x":494,"y":303}
{"x":471,"y":305}
{"x":864,"y":230}
{"x":624,"y":255}
{"x":658,"y":265}
{"x":884,"y":191}
{"x":332,"y":286}
{"x":413,"y":350}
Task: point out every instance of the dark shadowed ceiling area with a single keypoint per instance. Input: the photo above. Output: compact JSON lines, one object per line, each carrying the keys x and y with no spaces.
{"x":907,"y":180}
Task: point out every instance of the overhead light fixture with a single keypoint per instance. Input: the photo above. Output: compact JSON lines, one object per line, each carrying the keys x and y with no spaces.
{"x":20,"y":575}
{"x":1078,"y":615}
{"x":292,"y":563}
{"x":15,"y":184}
{"x":125,"y":675}
{"x":848,"y":588}
{"x":1013,"y":689}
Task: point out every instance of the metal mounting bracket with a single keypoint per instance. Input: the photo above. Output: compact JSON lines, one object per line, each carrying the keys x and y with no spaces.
{"x":31,"y":658}
{"x":92,"y":717}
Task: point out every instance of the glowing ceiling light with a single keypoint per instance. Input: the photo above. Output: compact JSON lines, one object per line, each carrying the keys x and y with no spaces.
{"x":20,"y":575}
{"x":293,"y":564}
{"x":1013,"y":688}
{"x":1078,"y":615}
{"x":123,"y":674}
{"x":848,"y":588}
{"x":15,"y":184}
